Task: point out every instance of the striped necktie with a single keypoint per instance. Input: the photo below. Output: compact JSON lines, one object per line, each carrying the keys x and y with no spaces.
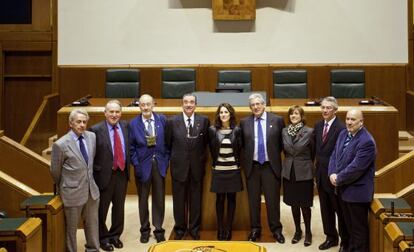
{"x":348,"y":139}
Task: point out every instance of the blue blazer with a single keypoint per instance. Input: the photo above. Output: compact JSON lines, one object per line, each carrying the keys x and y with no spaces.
{"x":354,"y":166}
{"x":141,"y":155}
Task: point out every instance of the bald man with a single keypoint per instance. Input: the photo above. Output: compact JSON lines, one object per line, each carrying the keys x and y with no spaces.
{"x":150,"y":157}
{"x":351,"y":171}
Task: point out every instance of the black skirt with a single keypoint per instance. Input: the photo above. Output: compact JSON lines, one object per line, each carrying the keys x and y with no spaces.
{"x":297,"y":193}
{"x":226,"y":181}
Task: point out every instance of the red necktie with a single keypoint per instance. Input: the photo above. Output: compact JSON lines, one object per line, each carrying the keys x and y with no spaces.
{"x":118,"y":154}
{"x":325,"y":133}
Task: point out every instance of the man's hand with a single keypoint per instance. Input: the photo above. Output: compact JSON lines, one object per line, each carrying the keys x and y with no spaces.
{"x":333,"y":179}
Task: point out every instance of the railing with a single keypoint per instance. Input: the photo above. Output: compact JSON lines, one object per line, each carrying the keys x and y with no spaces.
{"x":43,"y":124}
{"x":25,"y":165}
{"x":395,"y":176}
{"x":13,"y":192}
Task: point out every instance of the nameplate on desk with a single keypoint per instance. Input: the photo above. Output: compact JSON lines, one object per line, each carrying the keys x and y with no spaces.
{"x":312,"y":103}
{"x":366,"y":102}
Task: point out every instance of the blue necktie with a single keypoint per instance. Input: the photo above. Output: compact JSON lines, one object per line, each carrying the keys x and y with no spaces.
{"x":261,"y":156}
{"x":347,"y":139}
{"x":83,"y":149}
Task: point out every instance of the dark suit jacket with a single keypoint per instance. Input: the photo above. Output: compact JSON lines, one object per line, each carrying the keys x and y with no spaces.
{"x":70,"y":172}
{"x":323,"y":151}
{"x":141,"y":155}
{"x":354,"y":166}
{"x":187,"y":152}
{"x":102,"y":166}
{"x":215,"y":138}
{"x":274,"y":126}
{"x":299,"y":153}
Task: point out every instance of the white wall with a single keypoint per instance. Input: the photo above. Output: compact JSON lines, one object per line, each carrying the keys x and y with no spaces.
{"x":183,"y":32}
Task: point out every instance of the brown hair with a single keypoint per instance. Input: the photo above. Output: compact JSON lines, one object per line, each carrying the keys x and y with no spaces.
{"x":217,"y":122}
{"x":301,"y":112}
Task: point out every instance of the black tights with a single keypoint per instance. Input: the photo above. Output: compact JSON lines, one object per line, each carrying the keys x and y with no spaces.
{"x":306,"y":212}
{"x":231,"y":207}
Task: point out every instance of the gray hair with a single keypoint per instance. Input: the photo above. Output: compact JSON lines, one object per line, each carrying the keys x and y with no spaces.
{"x":191,"y":95}
{"x":77,"y":111}
{"x":113,"y":101}
{"x":332,"y":100}
{"x":256,"y":96}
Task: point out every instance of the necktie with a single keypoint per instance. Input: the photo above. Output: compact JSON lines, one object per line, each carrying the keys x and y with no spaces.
{"x":83,"y":149}
{"x":189,"y":127}
{"x":149,"y":127}
{"x":347,"y":139}
{"x":118,"y":154}
{"x":261,"y":157}
{"x":325,"y":133}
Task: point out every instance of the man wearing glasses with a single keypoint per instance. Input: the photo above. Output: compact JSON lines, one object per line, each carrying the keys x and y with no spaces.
{"x":187,"y":138}
{"x":150,"y":156}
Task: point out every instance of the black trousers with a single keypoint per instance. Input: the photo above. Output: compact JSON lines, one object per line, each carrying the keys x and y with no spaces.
{"x":187,"y":205}
{"x":115,"y":192}
{"x":263,"y":179}
{"x":156,"y":185}
{"x":329,"y":203}
{"x":356,"y":216}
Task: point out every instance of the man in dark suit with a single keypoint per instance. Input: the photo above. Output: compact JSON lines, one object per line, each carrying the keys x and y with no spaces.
{"x":262,"y":143}
{"x":351,"y":171}
{"x":72,"y":171}
{"x":187,"y":138}
{"x":325,"y":135}
{"x":111,"y":173}
{"x":150,"y":156}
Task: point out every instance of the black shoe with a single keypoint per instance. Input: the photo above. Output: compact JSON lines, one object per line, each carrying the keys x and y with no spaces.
{"x":328,"y":244}
{"x":343,"y":248}
{"x":308,"y":239}
{"x":297,"y":237}
{"x":195,"y":235}
{"x":144,"y":238}
{"x":220,"y":235}
{"x":227,"y":235}
{"x":107,"y":246}
{"x":254,"y":236}
{"x":117,"y":243}
{"x":159,"y":238}
{"x":279,"y":237}
{"x":179,"y":235}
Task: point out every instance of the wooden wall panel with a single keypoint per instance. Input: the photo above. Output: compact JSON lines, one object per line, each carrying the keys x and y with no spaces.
{"x":387,"y":81}
{"x":410,"y":110}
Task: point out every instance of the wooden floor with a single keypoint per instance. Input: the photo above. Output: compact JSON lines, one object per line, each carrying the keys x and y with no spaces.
{"x":131,"y":233}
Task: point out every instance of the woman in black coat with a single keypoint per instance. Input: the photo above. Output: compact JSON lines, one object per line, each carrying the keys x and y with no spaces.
{"x":225,"y":144}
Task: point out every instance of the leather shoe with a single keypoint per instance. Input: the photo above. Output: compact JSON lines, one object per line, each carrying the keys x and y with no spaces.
{"x":117,"y":243}
{"x":279,"y":237}
{"x":328,"y":244}
{"x":308,"y":239}
{"x":144,"y":238}
{"x":297,"y":237}
{"x":254,"y":236}
{"x":159,"y":238}
{"x":178,"y":235}
{"x":195,"y":235}
{"x":107,"y":246}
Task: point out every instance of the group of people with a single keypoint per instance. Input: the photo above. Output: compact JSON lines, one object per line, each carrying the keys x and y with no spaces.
{"x":90,"y":168}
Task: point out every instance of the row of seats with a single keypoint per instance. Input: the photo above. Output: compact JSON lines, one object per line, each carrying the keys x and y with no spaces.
{"x":292,"y":83}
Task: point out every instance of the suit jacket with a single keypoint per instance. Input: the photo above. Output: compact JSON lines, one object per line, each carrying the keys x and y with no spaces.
{"x":299,"y":153}
{"x":354,"y":166}
{"x":215,"y":138}
{"x":323,"y":151}
{"x":187,"y":152}
{"x":103,"y":162}
{"x":141,"y":154}
{"x":70,"y":172}
{"x":274,"y":126}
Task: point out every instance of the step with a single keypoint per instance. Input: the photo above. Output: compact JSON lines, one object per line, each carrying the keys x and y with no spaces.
{"x":405,"y":149}
{"x":52,"y":139}
{"x":47,"y":153}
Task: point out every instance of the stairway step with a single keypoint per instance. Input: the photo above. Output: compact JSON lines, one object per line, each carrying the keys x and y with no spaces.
{"x":52,"y":139}
{"x":404,"y":136}
{"x":405,"y":149}
{"x":47,"y":153}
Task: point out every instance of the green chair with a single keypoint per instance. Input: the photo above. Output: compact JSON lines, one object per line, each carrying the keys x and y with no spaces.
{"x":348,"y":83}
{"x":290,"y":83}
{"x":234,"y":81}
{"x":177,"y":82}
{"x":122,"y":83}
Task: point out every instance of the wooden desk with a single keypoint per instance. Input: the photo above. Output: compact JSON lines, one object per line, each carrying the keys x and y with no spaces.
{"x":381,"y":121}
{"x":396,"y":232}
{"x":49,"y":208}
{"x":21,"y":234}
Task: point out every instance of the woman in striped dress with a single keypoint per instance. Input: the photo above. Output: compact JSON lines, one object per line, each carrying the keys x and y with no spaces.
{"x":225,"y":144}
